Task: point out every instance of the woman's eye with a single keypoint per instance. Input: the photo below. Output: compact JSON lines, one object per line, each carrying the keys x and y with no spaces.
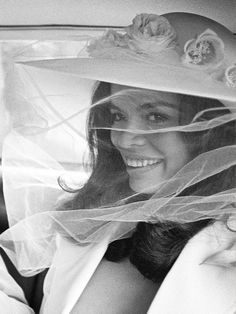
{"x":156,"y":117}
{"x":117,"y":116}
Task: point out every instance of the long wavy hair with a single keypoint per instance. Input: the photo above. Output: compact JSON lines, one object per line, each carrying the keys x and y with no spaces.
{"x":153,"y":248}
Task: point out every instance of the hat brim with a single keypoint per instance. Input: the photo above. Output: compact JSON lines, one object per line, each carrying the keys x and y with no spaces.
{"x":162,"y":77}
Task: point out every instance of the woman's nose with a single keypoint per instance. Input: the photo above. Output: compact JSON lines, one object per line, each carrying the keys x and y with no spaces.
{"x":130,"y":136}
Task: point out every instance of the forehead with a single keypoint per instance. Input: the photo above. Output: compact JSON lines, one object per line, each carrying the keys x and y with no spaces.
{"x":141,"y":96}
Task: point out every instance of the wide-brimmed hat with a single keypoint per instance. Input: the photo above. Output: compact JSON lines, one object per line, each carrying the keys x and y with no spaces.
{"x":177,"y":52}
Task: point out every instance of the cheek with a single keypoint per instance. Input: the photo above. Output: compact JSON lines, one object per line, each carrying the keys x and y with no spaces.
{"x":173,"y":146}
{"x":178,"y":149}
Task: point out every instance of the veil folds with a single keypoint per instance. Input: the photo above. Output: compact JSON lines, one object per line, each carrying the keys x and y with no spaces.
{"x":47,"y":146}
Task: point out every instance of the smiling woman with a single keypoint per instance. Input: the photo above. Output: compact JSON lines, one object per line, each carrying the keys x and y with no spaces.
{"x":153,"y":227}
{"x":140,"y":140}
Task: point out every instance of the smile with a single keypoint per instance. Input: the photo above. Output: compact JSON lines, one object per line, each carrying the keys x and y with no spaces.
{"x":139,"y":163}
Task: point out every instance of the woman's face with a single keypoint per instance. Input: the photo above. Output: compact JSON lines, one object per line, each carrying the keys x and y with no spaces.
{"x":150,"y":159}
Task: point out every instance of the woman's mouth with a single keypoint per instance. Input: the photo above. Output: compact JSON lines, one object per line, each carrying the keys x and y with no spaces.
{"x":140,"y":163}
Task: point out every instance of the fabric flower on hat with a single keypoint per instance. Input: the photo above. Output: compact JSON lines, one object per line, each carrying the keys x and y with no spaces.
{"x":230,"y":76}
{"x":206,"y":52}
{"x":105,"y":45}
{"x":150,"y":34}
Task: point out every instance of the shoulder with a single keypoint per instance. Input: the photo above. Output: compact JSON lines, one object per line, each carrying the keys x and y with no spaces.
{"x":203,"y":279}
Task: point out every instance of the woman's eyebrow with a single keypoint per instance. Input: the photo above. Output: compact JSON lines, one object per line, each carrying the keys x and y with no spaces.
{"x":114,"y":107}
{"x":154,"y":105}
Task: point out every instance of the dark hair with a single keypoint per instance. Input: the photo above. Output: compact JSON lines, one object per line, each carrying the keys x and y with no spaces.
{"x":153,"y":248}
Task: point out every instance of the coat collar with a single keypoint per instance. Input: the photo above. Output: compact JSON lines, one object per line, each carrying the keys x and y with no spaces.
{"x":193,"y":285}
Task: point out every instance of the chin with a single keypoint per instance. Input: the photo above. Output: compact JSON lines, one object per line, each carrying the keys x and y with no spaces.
{"x":142,"y":187}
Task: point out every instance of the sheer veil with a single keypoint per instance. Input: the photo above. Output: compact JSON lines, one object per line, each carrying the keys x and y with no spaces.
{"x":43,"y":180}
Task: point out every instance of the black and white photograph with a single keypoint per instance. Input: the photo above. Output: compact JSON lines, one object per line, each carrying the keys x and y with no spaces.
{"x":117,"y":157}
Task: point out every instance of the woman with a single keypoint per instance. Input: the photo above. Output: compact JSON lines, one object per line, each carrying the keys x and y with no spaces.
{"x":141,"y":163}
{"x":153,"y":228}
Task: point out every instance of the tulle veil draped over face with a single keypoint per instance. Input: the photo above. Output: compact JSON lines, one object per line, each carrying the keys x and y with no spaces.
{"x":87,"y":198}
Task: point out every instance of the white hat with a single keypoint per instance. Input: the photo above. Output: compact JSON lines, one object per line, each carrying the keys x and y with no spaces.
{"x":177,"y":52}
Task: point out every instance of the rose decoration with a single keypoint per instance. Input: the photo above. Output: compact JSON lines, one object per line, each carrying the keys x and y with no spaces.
{"x":206,"y":52}
{"x":150,"y":34}
{"x":104,"y":45}
{"x":230,"y":76}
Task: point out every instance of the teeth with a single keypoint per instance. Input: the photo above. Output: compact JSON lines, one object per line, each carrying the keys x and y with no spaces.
{"x":138,"y":163}
{"x":145,"y":163}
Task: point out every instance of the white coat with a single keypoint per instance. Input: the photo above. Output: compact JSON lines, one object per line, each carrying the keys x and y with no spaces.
{"x":202,"y":280}
{"x":12,"y":300}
